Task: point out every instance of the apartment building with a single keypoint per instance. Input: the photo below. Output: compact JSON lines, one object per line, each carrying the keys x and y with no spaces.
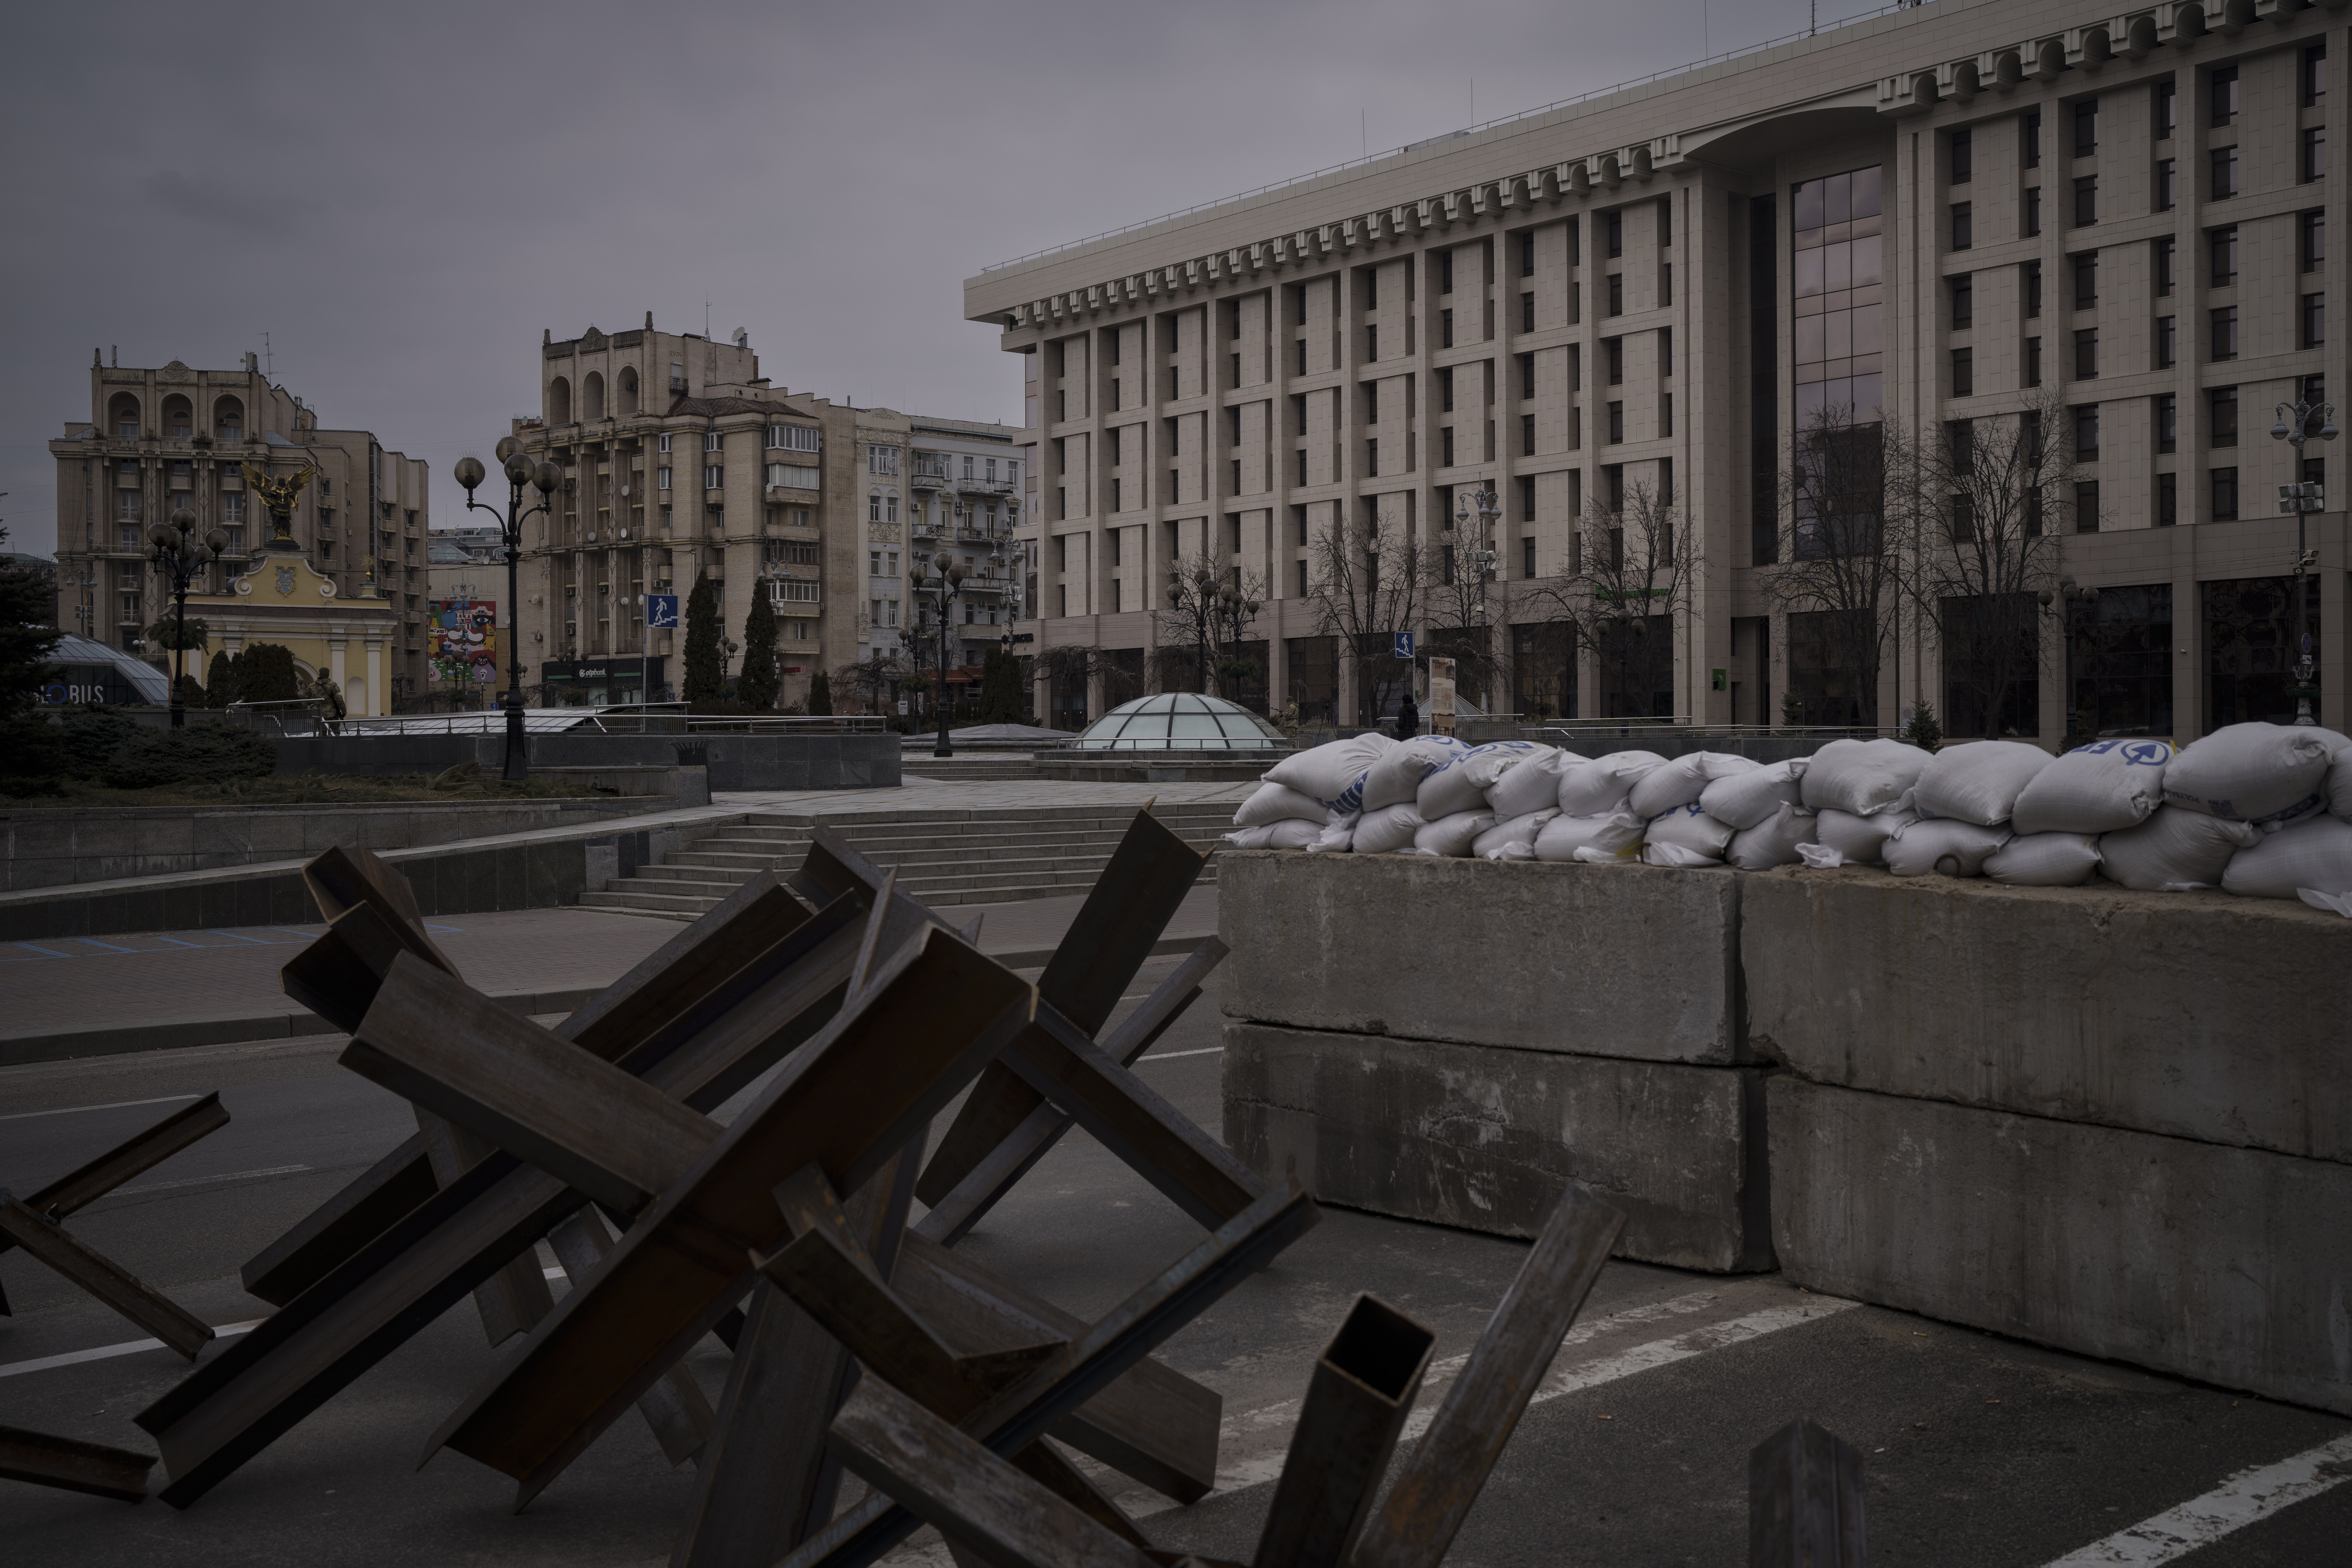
{"x":681,"y":460}
{"x":1927,"y":220}
{"x":161,"y":439}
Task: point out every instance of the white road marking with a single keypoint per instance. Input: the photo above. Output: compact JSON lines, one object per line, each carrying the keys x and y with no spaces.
{"x":1171,"y":1056}
{"x":2244,"y":1499}
{"x":129,"y":1347}
{"x":206,"y":1181}
{"x":109,"y":1105}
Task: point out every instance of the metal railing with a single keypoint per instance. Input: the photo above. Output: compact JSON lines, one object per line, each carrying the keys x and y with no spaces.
{"x":1685,"y":724}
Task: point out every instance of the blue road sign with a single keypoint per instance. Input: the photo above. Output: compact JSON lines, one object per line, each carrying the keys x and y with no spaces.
{"x":661,"y":610}
{"x":1403,"y":645}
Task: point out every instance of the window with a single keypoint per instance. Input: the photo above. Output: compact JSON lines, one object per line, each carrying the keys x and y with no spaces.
{"x":2167,"y":500}
{"x":2164,"y":266}
{"x":874,"y":506}
{"x":2167,"y":193}
{"x":1665,"y":414}
{"x":2033,"y":288}
{"x":2311,"y":239}
{"x":2086,"y":279}
{"x":662,"y":482}
{"x":2222,"y":95}
{"x":2314,"y":319}
{"x":1446,"y":273}
{"x":1963,"y":289}
{"x":792,"y":437}
{"x":665,"y":443}
{"x":1372,"y":341}
{"x":1963,"y":226}
{"x":1963,"y":373}
{"x":1445,"y":390}
{"x":2225,"y":333}
{"x":2221,"y":421}
{"x":2087,"y":430}
{"x":1665,"y":222}
{"x":1616,"y":422}
{"x":2314,"y":154}
{"x":713,"y":477}
{"x":2167,"y":349}
{"x":1527,"y":545}
{"x":881,"y":459}
{"x":1528,"y":254}
{"x":2033,"y":362}
{"x":2031,"y":220}
{"x":1446,"y":329}
{"x":2167,"y":109}
{"x":2086,"y":353}
{"x":1613,"y":228}
{"x":1612,"y":352}
{"x":1527,"y":375}
{"x":1371,"y":458}
{"x":712,"y":441}
{"x":1666,"y":353}
{"x":2225,"y":494}
{"x":2086,"y":200}
{"x":2225,"y":172}
{"x":2315,"y":75}
{"x":1962,"y":161}
{"x":2032,"y":138}
{"x":2087,"y":506}
{"x":2087,"y":127}
{"x":1616,"y":293}
{"x":1527,"y":435}
{"x":2167,"y":423}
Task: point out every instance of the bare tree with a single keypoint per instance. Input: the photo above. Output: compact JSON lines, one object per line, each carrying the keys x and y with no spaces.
{"x":875,"y":676}
{"x":1627,"y":586}
{"x":2002,"y":491}
{"x":1849,"y":509}
{"x":1071,"y":663}
{"x":1371,"y":583}
{"x":1210,"y":611}
{"x":1461,"y":627}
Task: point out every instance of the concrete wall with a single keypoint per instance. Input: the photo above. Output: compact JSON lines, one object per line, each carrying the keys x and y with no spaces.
{"x":42,"y":847}
{"x":775,"y":762}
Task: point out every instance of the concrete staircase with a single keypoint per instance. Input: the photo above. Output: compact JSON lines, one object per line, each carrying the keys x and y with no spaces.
{"x":981,"y":856}
{"x":972,"y":766}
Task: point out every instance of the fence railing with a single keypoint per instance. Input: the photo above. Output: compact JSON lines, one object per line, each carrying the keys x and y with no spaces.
{"x":1685,"y":724}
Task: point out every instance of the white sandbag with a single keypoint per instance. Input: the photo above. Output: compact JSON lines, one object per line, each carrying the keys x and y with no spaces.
{"x":1513,"y":832}
{"x":1862,"y":777}
{"x":1600,"y":786}
{"x":2045,"y":860}
{"x":1453,"y":836}
{"x":1942,"y":847}
{"x":1615,"y":834}
{"x":1329,"y":772}
{"x":1462,"y":783}
{"x":1291,"y":832}
{"x":1272,"y":803}
{"x":2176,"y":848}
{"x":1751,"y":798}
{"x":1862,"y":840}
{"x":1337,"y":835}
{"x":2339,"y":775}
{"x":2251,"y":773}
{"x":1600,"y":855}
{"x":1397,"y":777}
{"x":1771,"y":842}
{"x":1978,"y":781}
{"x":1533,"y":784}
{"x":1692,"y":828}
{"x":1820,"y":856}
{"x":1681,"y":781}
{"x":1387,"y":830}
{"x":2104,"y":787}
{"x":2316,"y":853}
{"x":2334,"y":903}
{"x":1676,"y":855}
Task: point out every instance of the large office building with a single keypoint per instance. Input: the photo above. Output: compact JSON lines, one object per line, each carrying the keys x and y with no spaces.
{"x":346,"y":591}
{"x":681,"y":461}
{"x":1927,"y":224}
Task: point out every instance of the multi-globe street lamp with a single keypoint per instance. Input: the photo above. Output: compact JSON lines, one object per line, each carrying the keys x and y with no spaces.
{"x":935,"y":593}
{"x":2303,"y":497}
{"x":183,"y":556}
{"x":544,"y":476}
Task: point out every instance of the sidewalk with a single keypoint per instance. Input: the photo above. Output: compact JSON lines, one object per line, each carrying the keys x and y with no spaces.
{"x":95,"y":996}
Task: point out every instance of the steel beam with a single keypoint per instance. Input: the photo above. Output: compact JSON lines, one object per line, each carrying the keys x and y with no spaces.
{"x":1358,"y":1397}
{"x":73,"y":1466}
{"x":1805,"y":1500}
{"x":103,"y":1278}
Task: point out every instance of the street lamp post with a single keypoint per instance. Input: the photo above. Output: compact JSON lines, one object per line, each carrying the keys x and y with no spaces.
{"x":181,"y":555}
{"x":543,"y":477}
{"x":1480,"y":556}
{"x":2303,"y":497}
{"x":938,"y":593}
{"x":2061,"y":603}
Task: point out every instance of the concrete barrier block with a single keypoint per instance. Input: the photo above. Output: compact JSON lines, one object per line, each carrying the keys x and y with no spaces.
{"x":1617,"y":960}
{"x":1486,"y":1137}
{"x":2230,"y":1265}
{"x":2197,"y":1014}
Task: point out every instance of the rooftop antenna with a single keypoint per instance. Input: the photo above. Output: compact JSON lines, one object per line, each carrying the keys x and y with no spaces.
{"x":706,"y":318}
{"x":268,"y":361}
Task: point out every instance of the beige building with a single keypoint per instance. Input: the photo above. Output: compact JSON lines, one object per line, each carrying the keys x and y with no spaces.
{"x":680,"y":459}
{"x":1936,"y":215}
{"x":158,"y":440}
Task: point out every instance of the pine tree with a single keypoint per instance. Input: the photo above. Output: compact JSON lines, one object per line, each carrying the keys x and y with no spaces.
{"x":265,"y":673}
{"x":706,"y":672}
{"x":756,"y":687}
{"x":26,"y":639}
{"x":220,"y":680}
{"x":820,"y":696}
{"x":1000,"y":688}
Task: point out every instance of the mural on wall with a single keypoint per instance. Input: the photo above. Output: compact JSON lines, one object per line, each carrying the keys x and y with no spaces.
{"x":465,"y":642}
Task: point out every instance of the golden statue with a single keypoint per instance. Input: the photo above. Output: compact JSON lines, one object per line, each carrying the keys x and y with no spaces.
{"x":278,"y":495}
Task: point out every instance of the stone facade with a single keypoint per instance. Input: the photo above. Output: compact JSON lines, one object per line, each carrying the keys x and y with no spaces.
{"x":161,"y":439}
{"x":1605,"y":295}
{"x":680,"y":461}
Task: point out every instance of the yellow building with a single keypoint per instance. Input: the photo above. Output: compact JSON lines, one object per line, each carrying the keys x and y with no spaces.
{"x":284,"y":599}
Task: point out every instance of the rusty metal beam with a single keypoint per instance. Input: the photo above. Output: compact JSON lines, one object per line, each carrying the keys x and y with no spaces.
{"x":73,"y":1466}
{"x":1805,"y":1500}
{"x":1358,"y":1397}
{"x":103,"y":1278}
{"x":338,"y":1229}
{"x":1436,"y":1487}
{"x":674,"y":1406}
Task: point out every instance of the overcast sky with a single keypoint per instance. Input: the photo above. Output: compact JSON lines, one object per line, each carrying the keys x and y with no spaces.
{"x":402,"y":196}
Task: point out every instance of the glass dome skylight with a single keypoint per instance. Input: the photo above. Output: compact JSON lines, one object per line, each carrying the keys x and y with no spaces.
{"x":1181,"y":721}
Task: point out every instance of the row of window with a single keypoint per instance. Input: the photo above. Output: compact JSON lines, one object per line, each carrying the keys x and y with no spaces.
{"x":2310,"y":332}
{"x":2222,"y":111}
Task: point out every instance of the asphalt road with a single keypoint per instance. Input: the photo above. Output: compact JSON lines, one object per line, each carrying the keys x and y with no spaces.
{"x":1980,"y":1450}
